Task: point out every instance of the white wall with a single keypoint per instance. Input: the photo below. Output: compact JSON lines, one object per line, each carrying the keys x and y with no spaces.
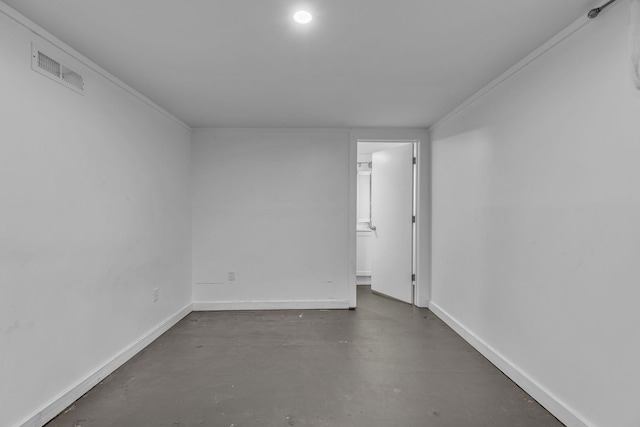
{"x":277,"y":208}
{"x":364,"y":255}
{"x":94,"y":207}
{"x":364,"y":238}
{"x":271,"y":206}
{"x":536,"y":231}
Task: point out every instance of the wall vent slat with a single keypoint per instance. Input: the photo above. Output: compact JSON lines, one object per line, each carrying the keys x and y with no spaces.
{"x":50,"y":67}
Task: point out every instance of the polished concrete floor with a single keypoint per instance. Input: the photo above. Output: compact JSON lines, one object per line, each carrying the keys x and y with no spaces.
{"x":386,"y":364}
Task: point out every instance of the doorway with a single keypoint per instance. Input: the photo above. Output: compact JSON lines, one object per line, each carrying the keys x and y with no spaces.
{"x":385,"y":217}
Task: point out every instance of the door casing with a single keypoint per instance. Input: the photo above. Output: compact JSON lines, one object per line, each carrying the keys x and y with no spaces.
{"x":422,"y":288}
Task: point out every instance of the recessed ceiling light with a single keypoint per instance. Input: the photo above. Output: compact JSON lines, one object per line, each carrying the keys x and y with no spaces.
{"x":302,"y":17}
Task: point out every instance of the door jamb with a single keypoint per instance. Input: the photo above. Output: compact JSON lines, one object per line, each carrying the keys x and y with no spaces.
{"x":422,"y":286}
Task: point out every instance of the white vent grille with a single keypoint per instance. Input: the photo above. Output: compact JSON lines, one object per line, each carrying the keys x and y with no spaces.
{"x":47,"y":66}
{"x":72,"y":78}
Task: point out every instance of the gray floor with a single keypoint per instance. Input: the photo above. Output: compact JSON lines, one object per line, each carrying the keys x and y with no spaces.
{"x":385,"y":364}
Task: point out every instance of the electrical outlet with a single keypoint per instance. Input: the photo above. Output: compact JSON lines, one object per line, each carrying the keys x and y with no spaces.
{"x":231,"y":276}
{"x":156,"y":295}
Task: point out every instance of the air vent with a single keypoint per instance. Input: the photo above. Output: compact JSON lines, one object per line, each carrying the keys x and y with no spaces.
{"x":52,"y":68}
{"x":72,"y":78}
{"x":49,"y":65}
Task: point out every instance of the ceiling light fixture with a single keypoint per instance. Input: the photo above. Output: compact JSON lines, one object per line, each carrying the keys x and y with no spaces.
{"x":302,"y":17}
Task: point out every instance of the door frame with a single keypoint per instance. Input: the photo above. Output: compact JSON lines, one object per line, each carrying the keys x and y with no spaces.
{"x":422,"y":287}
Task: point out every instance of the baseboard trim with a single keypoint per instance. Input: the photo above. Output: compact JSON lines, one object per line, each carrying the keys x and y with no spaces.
{"x":73,"y":393}
{"x":269,"y":305}
{"x":557,"y":407}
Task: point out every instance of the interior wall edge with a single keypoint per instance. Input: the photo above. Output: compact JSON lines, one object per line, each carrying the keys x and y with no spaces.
{"x":44,"y":34}
{"x":423,"y":268}
{"x":553,"y":404}
{"x":352,"y":201}
{"x":76,"y":391}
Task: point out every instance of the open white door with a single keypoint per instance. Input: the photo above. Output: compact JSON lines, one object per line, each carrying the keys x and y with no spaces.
{"x":391,"y":215}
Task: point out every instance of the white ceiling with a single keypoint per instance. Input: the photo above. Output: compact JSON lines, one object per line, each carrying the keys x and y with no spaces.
{"x":360,"y":63}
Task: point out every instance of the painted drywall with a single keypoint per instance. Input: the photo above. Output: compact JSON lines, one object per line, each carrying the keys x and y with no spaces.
{"x":95,"y":211}
{"x":270,"y":206}
{"x":364,"y":254}
{"x":536,"y":238}
{"x":364,"y":238}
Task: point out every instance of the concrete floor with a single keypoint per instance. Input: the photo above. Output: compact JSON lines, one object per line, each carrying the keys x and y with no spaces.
{"x":386,"y":364}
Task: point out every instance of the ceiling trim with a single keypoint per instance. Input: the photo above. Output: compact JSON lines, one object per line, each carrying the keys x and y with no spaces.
{"x":45,"y":35}
{"x":550,"y":44}
{"x":373,"y":130}
{"x":269,"y":129}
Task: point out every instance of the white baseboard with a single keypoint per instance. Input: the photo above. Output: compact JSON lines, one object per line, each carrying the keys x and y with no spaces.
{"x":553,"y":404}
{"x":269,"y":305}
{"x":73,"y":393}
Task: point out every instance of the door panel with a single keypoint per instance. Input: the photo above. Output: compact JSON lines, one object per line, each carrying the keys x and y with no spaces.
{"x":391,"y":215}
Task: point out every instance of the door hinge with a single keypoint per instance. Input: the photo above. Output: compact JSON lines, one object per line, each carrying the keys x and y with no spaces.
{"x":413,"y":277}
{"x":415,"y":161}
{"x":413,"y":219}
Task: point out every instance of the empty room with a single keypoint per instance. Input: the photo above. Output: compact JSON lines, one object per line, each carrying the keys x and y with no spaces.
{"x":319,"y":213}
